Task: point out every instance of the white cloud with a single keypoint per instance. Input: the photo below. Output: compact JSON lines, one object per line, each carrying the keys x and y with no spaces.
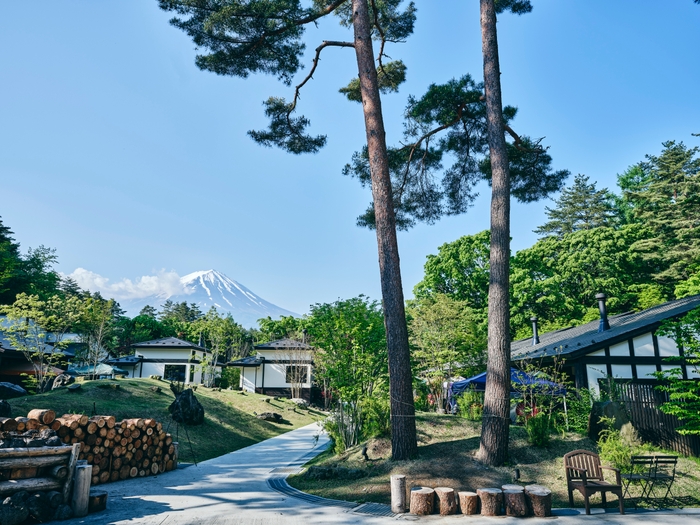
{"x":162,"y":283}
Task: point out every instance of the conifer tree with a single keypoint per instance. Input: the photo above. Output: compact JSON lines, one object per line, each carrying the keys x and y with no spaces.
{"x":10,"y":263}
{"x":666,"y":205}
{"x":250,"y":36}
{"x":580,"y":207}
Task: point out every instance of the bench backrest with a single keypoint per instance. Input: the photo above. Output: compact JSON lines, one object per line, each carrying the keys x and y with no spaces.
{"x":582,"y":459}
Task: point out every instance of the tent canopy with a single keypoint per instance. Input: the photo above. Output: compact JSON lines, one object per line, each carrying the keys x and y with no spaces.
{"x":518,"y":379}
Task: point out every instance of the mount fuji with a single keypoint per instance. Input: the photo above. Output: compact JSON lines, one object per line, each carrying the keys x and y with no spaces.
{"x":211,"y":288}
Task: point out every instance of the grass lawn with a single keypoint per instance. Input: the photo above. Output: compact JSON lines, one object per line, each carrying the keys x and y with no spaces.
{"x":447,"y":445}
{"x":229,"y":422}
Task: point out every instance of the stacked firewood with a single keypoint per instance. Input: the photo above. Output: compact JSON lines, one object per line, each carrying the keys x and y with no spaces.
{"x":116,"y":450}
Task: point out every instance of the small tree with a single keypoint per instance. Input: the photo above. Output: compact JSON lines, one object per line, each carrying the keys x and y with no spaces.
{"x":297,"y":370}
{"x":447,"y":337}
{"x":96,"y":329}
{"x":683,"y":394}
{"x":37,"y":329}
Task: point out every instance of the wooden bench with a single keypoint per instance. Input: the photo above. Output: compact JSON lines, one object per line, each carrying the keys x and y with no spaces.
{"x":585,"y":474}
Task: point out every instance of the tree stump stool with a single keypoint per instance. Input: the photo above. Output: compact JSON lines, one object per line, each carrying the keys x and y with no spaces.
{"x":491,"y":501}
{"x":468,"y":502}
{"x":97,"y":500}
{"x":539,"y":499}
{"x":512,"y":487}
{"x":422,"y":501}
{"x":515,"y":503}
{"x":446,"y":500}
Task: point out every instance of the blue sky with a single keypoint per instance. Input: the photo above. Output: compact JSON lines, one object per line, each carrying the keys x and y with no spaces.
{"x":118,"y":152}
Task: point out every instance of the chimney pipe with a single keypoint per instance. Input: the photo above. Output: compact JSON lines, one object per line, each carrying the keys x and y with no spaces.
{"x":535,"y":336}
{"x":604,"y":324}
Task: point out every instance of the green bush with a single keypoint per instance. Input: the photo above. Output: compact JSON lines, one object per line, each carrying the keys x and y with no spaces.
{"x":230,"y":377}
{"x":578,"y":404}
{"x":471,"y":405}
{"x":376,"y":419}
{"x":539,"y":429}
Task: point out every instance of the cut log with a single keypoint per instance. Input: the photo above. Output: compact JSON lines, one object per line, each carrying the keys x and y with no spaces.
{"x":513,"y":487}
{"x":23,"y":473}
{"x":154,"y":468}
{"x":446,"y":501}
{"x":68,"y":484}
{"x":133,"y":472}
{"x":422,"y":501}
{"x":32,"y":452}
{"x":21,"y":423}
{"x":32,"y":424}
{"x":491,"y":501}
{"x":468,"y":503}
{"x":44,"y":415}
{"x":32,"y":462}
{"x":97,"y":500}
{"x":59,"y":471}
{"x":8,"y":424}
{"x":540,"y":500}
{"x":30,"y":485}
{"x":398,"y":493}
{"x":55,"y":498}
{"x":515,"y":503}
{"x":81,"y":490}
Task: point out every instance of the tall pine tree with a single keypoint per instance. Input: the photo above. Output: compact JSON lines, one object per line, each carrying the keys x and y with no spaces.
{"x":666,"y":205}
{"x":249,"y":36}
{"x":580,"y":207}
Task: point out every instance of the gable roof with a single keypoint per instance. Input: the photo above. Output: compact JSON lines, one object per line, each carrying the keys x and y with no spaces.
{"x":586,"y":338}
{"x":284,"y":344}
{"x":168,"y":342}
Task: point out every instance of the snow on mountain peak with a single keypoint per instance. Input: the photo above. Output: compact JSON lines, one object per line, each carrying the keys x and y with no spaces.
{"x":212,"y":288}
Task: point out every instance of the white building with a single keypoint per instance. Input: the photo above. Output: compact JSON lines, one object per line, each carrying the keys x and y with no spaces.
{"x":170,"y":358}
{"x":278,"y":368}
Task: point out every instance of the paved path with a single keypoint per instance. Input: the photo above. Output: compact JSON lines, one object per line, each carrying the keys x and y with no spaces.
{"x":234,"y":489}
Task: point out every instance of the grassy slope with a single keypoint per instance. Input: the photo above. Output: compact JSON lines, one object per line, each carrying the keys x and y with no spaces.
{"x":229,"y":421}
{"x":446,"y":447}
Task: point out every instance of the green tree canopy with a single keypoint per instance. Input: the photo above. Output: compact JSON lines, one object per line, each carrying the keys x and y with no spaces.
{"x":666,"y":206}
{"x":580,"y":207}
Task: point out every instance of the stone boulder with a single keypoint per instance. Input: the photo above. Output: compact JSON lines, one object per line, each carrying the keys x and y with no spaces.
{"x":270,"y":416}
{"x":186,"y":409}
{"x":62,"y":380}
{"x":10,"y":390}
{"x":609,"y":409}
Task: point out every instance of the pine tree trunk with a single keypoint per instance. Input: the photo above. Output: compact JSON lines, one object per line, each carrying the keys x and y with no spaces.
{"x":403,"y":425}
{"x":493,"y":448}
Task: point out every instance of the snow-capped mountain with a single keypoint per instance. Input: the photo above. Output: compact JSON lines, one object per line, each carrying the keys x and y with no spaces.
{"x":211,"y":288}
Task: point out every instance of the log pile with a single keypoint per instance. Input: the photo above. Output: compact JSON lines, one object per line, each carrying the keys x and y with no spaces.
{"x":117,"y":450}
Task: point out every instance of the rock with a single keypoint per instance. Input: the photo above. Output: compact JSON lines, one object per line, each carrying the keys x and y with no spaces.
{"x":5,"y":409}
{"x":156,"y":389}
{"x":10,"y":390}
{"x":13,"y":510}
{"x":609,"y":409}
{"x":303,"y":403}
{"x":186,"y":409}
{"x":63,"y":512}
{"x":74,"y":387}
{"x":62,"y":380}
{"x":270,"y":416}
{"x":40,"y":507}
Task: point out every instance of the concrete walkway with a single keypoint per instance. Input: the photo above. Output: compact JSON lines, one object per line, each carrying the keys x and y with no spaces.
{"x":234,"y":489}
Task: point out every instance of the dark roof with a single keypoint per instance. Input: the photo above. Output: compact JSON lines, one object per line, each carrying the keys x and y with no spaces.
{"x":586,"y":338}
{"x":251,"y":360}
{"x":168,"y":342}
{"x":129,"y":360}
{"x":284,"y":344}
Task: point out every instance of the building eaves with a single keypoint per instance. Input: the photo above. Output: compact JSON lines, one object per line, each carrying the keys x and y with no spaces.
{"x":585,"y":338}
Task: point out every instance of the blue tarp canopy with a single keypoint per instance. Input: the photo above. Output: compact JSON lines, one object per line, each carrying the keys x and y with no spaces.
{"x":519,"y":380}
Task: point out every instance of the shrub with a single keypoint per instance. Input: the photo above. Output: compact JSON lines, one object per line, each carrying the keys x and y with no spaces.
{"x":539,"y":429}
{"x":471,"y":405}
{"x":579,"y":408}
{"x":230,"y":377}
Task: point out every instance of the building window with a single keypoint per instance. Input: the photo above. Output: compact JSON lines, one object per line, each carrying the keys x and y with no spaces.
{"x":296,"y":374}
{"x":174,"y":373}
